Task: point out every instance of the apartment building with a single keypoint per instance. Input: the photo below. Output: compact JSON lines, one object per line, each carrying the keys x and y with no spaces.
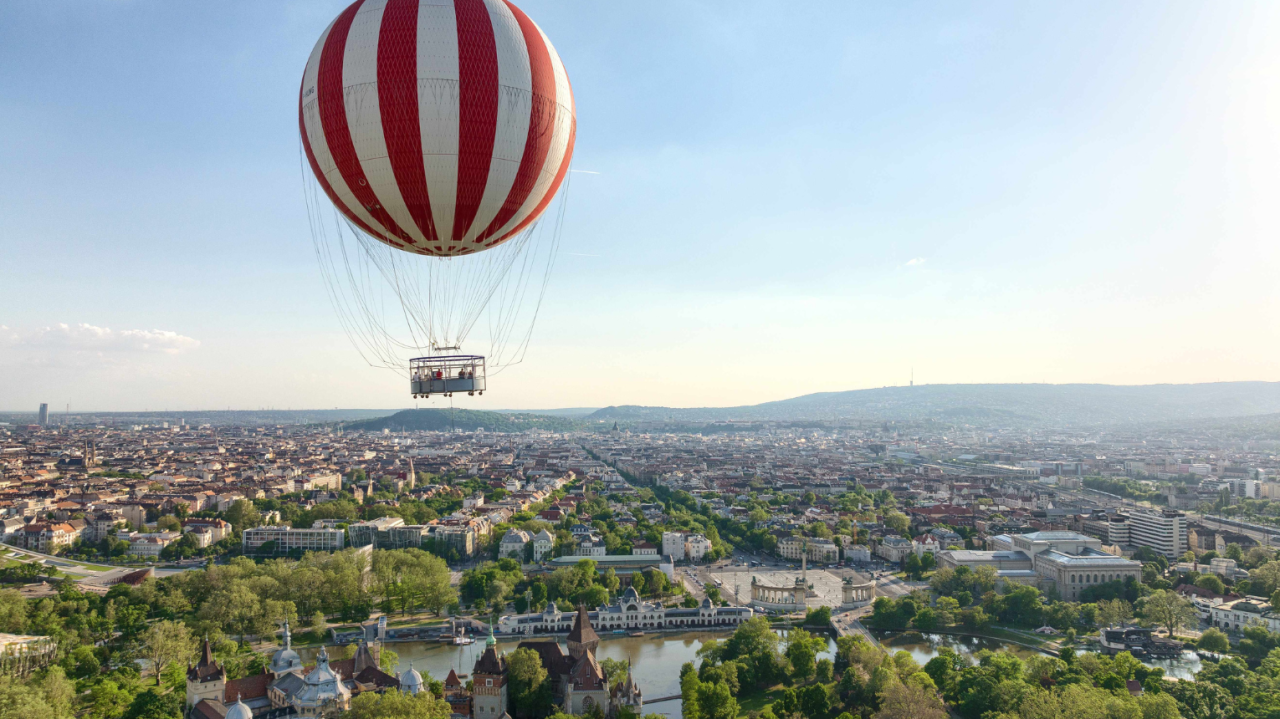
{"x":696,"y":547}
{"x":148,"y":544}
{"x":673,"y":545}
{"x":217,"y":529}
{"x":1164,"y":531}
{"x":460,"y":538}
{"x":818,"y":550}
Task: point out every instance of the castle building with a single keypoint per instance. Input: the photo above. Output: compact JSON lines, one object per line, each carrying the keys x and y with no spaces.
{"x":286,"y":687}
{"x":578,"y":683}
{"x":456,"y":694}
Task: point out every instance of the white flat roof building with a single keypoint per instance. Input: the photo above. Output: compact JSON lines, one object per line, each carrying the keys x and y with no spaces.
{"x":288,"y":539}
{"x":1164,"y":531}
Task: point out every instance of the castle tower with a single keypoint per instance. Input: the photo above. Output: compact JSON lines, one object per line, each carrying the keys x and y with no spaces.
{"x":582,"y":639}
{"x":489,"y":682}
{"x":207,"y":679}
{"x":367,"y":657}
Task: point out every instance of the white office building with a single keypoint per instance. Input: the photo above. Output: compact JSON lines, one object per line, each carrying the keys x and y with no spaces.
{"x":1164,"y":531}
{"x":287,"y":539}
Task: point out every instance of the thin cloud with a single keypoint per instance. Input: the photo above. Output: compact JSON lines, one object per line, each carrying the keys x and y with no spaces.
{"x":89,"y":338}
{"x":586,"y":172}
{"x":915,"y":262}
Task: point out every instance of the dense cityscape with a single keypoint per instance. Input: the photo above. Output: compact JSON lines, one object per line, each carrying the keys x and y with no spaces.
{"x":530,"y":359}
{"x":135,"y":546}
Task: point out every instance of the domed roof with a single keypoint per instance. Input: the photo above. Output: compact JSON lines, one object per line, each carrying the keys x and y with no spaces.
{"x":285,"y":658}
{"x":411,"y":681}
{"x":239,"y":710}
{"x":322,"y":674}
{"x":322,"y":685}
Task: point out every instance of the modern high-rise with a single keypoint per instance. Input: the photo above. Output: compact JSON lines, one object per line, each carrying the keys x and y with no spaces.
{"x":43,"y":419}
{"x":1164,"y":531}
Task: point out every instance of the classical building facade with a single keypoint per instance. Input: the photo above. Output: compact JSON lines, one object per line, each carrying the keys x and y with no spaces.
{"x":785,"y":598}
{"x":628,"y":612}
{"x":1067,"y":561}
{"x":857,"y":592}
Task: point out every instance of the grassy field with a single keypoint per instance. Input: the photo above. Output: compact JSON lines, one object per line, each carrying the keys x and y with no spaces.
{"x":757,"y":701}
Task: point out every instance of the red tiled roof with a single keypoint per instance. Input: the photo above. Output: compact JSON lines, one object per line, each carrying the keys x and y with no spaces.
{"x":250,"y":687}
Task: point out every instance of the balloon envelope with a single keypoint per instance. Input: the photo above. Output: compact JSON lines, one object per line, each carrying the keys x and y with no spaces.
{"x":441,"y":127}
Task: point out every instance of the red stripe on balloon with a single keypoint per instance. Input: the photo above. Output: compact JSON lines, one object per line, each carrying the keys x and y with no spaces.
{"x":398,"y":103}
{"x":320,"y":177}
{"x":333,"y":118}
{"x":477,"y":108}
{"x":551,"y":191}
{"x":542,"y":124}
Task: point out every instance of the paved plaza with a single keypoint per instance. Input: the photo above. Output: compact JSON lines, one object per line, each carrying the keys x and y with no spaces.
{"x":737,"y":585}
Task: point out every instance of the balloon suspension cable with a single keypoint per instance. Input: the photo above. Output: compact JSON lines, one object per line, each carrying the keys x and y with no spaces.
{"x":394,"y":305}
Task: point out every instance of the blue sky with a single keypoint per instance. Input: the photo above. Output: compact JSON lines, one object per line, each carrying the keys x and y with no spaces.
{"x":791,"y":198}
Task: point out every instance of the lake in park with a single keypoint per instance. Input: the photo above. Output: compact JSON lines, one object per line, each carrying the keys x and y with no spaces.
{"x":656,"y":658}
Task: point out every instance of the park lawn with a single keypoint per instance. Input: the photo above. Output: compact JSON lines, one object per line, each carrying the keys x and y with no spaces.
{"x":757,"y":701}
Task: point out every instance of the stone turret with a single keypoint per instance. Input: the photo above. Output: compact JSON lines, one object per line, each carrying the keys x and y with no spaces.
{"x":582,"y":638}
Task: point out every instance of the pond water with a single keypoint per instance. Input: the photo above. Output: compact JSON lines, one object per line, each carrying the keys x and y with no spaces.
{"x":924,"y":647}
{"x":655,"y":659}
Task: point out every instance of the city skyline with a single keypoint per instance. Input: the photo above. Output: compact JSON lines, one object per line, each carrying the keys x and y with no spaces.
{"x":763,"y":207}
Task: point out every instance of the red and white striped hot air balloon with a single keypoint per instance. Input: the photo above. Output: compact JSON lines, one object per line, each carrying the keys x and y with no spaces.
{"x":439,"y":127}
{"x":442,"y":128}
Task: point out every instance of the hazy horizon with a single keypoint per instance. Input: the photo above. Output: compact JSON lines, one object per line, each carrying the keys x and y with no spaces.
{"x":54,"y":410}
{"x":769,"y":204}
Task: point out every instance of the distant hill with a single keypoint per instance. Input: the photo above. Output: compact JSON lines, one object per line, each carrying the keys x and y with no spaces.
{"x":464,"y":419}
{"x":993,"y":404}
{"x":563,"y":412}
